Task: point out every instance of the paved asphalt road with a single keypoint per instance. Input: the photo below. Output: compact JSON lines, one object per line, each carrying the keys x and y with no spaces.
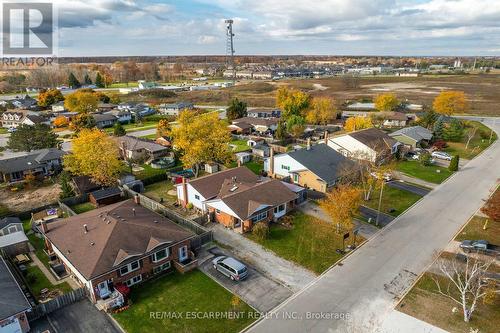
{"x":368,"y":284}
{"x":409,"y":187}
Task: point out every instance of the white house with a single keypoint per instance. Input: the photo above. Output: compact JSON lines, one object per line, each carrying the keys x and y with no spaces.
{"x":173,"y":109}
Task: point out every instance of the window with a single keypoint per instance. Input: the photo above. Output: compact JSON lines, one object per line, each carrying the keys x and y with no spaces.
{"x":259,"y":217}
{"x":217,"y":211}
{"x":133,"y":266}
{"x":160,"y":255}
{"x":161,"y":268}
{"x":197,"y":197}
{"x":279,"y":209}
{"x":295,"y":178}
{"x":136,"y":279}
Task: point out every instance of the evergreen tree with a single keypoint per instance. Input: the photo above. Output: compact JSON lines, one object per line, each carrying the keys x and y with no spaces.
{"x":99,"y":81}
{"x":237,"y":109}
{"x":66,"y":189}
{"x":454,"y":163}
{"x":428,"y":119}
{"x":454,"y":131}
{"x":118,"y":129}
{"x":280,"y":132}
{"x":87,"y":79}
{"x":73,"y":81}
{"x":438,"y":129}
{"x":28,"y":138}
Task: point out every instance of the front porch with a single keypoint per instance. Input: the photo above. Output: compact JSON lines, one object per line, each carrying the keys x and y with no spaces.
{"x":186,"y":265}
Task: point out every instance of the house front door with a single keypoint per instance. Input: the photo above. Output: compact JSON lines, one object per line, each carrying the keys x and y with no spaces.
{"x":183,"y":253}
{"x":103,"y":289}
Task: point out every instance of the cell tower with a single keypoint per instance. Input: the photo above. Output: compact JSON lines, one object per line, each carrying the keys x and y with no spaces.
{"x":230,"y":47}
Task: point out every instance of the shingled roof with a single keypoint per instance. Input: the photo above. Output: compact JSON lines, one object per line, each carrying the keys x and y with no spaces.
{"x":374,"y":138}
{"x":115,"y":234}
{"x":31,"y":160}
{"x":13,"y":300}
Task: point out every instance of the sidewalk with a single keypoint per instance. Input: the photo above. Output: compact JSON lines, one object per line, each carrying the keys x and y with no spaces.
{"x":396,"y":322}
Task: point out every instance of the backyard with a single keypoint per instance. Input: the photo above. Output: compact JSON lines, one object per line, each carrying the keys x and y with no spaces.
{"x":188,"y":298}
{"x":239,"y":145}
{"x":424,"y":303}
{"x":392,"y":199}
{"x":309,"y":242}
{"x":431,"y":173}
{"x":159,"y":190}
{"x":82,"y":207}
{"x":37,"y":281}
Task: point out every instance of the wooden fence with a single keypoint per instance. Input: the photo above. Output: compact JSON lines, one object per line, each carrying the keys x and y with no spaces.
{"x":57,"y":303}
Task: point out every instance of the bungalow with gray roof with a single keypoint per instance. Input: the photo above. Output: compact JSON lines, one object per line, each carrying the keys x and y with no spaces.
{"x":39,"y":163}
{"x":412,"y":136}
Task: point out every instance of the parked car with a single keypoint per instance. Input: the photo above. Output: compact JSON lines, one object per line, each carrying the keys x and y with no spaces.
{"x":412,"y":155}
{"x":441,"y":155}
{"x":387,"y":176}
{"x":230,"y":267}
{"x":11,"y":129}
{"x":480,"y":246}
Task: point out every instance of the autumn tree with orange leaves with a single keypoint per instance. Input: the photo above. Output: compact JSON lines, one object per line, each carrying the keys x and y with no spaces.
{"x":341,"y":203}
{"x":357,"y":123}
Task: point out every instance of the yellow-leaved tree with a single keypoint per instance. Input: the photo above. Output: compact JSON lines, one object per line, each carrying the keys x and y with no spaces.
{"x":321,"y":112}
{"x":450,"y":102}
{"x":96,"y":155}
{"x":201,"y":138}
{"x":293,"y":102}
{"x":386,"y":102}
{"x":357,"y":123}
{"x":163,"y":128}
{"x":82,"y":101}
{"x":341,"y":204}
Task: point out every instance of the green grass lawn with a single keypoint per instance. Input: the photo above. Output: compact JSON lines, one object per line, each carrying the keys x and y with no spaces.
{"x":193,"y":292}
{"x":474,"y":230}
{"x":37,"y":281}
{"x":423,"y":302}
{"x":83,"y":207}
{"x":4,"y":210}
{"x":133,"y":127}
{"x":123,"y":85}
{"x":255,"y":166}
{"x":241,"y":145}
{"x":310,"y":243}
{"x":476,"y":145}
{"x":3,"y":130}
{"x":150,"y":136}
{"x":160,"y":190}
{"x":148,"y":171}
{"x":392,"y":198}
{"x":427,"y":173}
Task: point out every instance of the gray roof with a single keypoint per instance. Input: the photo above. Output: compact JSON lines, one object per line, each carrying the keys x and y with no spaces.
{"x":13,"y":238}
{"x":98,"y":117}
{"x":416,"y":133}
{"x":31,"y":160}
{"x":106,"y":193}
{"x":133,"y":143}
{"x":9,"y":220}
{"x":13,"y":300}
{"x":323,"y":161}
{"x":36,"y":119}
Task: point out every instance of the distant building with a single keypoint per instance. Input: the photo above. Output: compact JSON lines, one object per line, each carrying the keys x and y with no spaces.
{"x":103,"y":120}
{"x":264,"y":113}
{"x":173,"y":109}
{"x":13,"y":119}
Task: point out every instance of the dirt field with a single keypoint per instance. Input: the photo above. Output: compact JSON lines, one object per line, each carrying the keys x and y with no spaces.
{"x":482,"y":90}
{"x":27,"y":199}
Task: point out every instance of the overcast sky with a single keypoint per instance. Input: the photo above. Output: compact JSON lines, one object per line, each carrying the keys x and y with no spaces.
{"x":332,"y":27}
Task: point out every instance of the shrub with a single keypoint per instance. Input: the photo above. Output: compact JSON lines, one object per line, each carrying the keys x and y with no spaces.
{"x":425,"y":159}
{"x":189,"y":206}
{"x":440,"y":144}
{"x":261,"y":230}
{"x":454,"y":163}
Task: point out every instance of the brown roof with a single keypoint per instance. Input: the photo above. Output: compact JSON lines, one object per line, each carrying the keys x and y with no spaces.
{"x":374,"y":138}
{"x":393,"y":116}
{"x":257,"y":121}
{"x":114,"y":234}
{"x":245,"y":199}
{"x":209,"y":186}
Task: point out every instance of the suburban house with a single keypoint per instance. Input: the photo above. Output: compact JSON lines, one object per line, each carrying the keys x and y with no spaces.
{"x":173,"y":109}
{"x":13,"y":303}
{"x":39,"y":163}
{"x":240,"y":205}
{"x":103,"y":120}
{"x":58,"y":107}
{"x":199,"y":190}
{"x":261,"y":125}
{"x":137,"y":109}
{"x":412,"y":137}
{"x":317,"y":167}
{"x":240,"y":128}
{"x":13,"y":241}
{"x":123,"y":116}
{"x":21,"y":117}
{"x":140,"y":149}
{"x":105,"y":107}
{"x":369,"y":144}
{"x":120,"y":244}
{"x":264,"y":113}
{"x":392,"y":119}
{"x":25,"y":102}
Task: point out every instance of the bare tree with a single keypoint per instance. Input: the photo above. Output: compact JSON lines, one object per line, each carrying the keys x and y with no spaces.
{"x":471,"y":132}
{"x":466,"y":282}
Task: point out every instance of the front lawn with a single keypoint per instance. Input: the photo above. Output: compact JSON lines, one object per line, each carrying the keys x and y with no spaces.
{"x":424,"y":303}
{"x":392,"y":198}
{"x":428,"y":173}
{"x":149,"y":136}
{"x":474,"y":231}
{"x":37,"y":281}
{"x":478,"y":143}
{"x":310,"y":243}
{"x":83,"y":207}
{"x":184,"y":303}
{"x":159,"y":190}
{"x":240,"y":145}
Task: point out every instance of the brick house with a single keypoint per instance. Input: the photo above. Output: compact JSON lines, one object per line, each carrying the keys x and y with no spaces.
{"x":119,"y":244}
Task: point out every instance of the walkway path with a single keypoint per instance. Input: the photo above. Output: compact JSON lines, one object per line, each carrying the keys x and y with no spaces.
{"x":417,"y":181}
{"x":283,"y":271}
{"x":48,"y":274}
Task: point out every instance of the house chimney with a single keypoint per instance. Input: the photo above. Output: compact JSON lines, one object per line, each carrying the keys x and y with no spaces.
{"x":271,"y":162}
{"x":85,"y":228}
{"x":184,"y":192}
{"x":308,"y":144}
{"x":137,"y":199}
{"x":326,"y":137}
{"x":43,"y":226}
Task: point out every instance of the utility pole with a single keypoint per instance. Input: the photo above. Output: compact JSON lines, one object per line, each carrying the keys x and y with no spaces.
{"x":380,"y":202}
{"x":230,"y":47}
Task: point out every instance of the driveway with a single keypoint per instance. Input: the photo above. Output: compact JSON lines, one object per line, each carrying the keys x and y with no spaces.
{"x":80,"y":317}
{"x":278,"y":269}
{"x":370,"y":213}
{"x":259,"y":291}
{"x":401,"y":185}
